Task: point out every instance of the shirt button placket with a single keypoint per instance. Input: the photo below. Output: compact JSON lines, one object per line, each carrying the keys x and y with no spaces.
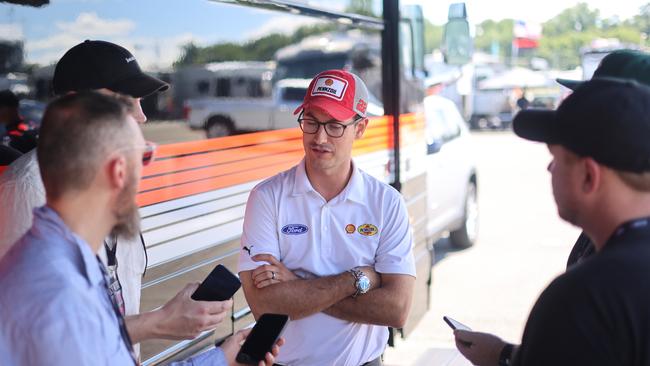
{"x":325,"y":234}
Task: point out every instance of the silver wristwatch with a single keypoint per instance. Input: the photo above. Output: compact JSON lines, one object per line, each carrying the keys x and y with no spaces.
{"x":361,"y":281}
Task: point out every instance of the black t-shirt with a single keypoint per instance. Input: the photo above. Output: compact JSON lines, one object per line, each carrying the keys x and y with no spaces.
{"x":582,"y":249}
{"x":597,"y":313}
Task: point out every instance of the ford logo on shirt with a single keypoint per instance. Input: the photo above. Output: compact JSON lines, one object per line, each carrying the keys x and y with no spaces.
{"x":294,"y":229}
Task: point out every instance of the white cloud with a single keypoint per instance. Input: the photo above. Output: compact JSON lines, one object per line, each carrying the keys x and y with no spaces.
{"x":89,"y":24}
{"x":11,"y":32}
{"x":285,"y":24}
{"x":86,"y":26}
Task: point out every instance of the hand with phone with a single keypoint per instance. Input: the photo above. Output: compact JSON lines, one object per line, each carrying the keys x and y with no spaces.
{"x":263,"y":336}
{"x":262,"y":342}
{"x":481,"y":349}
{"x":220,"y":285}
{"x":197,"y":308}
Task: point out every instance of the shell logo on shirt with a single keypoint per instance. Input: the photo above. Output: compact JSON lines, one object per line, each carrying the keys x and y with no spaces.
{"x":368,"y":230}
{"x":350,"y":229}
{"x":294,"y":229}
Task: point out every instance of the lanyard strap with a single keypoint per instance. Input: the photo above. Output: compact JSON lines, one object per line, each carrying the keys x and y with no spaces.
{"x":120,"y":319}
{"x":111,"y":250}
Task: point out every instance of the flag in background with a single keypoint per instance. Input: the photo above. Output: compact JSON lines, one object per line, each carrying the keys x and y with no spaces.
{"x":526,"y":35}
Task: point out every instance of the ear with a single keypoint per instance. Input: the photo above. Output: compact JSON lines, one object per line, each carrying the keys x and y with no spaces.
{"x":360,"y":128}
{"x":591,"y":176}
{"x":116,"y":172}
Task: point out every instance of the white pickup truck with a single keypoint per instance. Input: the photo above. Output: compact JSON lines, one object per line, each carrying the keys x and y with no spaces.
{"x":227,"y":116}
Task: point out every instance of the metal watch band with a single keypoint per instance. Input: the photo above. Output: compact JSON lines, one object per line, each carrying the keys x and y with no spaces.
{"x":356,"y":273}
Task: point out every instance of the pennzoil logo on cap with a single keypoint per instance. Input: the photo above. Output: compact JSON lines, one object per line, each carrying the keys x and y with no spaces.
{"x":368,"y":230}
{"x":330,"y":86}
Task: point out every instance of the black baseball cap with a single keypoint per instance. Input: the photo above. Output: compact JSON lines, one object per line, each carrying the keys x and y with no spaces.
{"x":605,"y":119}
{"x":100,"y":64}
{"x":621,"y":64}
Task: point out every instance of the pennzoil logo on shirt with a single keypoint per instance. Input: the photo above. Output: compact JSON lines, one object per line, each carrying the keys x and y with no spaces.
{"x":294,"y":229}
{"x":330,"y":86}
{"x":368,"y":230}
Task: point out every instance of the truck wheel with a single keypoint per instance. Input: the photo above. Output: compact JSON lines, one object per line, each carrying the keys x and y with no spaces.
{"x":465,"y":236}
{"x":218,"y":127}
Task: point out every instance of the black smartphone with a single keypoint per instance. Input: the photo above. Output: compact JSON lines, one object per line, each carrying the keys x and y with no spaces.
{"x":261,"y":339}
{"x":455,"y":324}
{"x":220,"y":285}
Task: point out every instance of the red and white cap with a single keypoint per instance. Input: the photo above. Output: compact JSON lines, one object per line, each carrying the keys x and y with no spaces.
{"x":339,"y":93}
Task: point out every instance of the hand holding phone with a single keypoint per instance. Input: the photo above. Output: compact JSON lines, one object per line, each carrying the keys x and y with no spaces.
{"x":261,"y":339}
{"x":220,"y":285}
{"x":455,"y":324}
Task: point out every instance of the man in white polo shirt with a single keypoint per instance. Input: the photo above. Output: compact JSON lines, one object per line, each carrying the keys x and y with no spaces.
{"x":326,"y":243}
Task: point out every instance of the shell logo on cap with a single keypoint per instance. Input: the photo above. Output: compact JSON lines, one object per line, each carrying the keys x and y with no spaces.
{"x":368,"y":230}
{"x":329,"y":82}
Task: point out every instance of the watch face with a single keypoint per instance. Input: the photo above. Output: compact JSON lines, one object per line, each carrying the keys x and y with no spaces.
{"x":364,"y":284}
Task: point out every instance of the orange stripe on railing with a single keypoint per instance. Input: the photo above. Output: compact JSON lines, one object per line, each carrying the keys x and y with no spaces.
{"x":189,"y":168}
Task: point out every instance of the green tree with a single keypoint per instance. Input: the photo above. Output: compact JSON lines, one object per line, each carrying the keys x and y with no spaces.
{"x":578,"y":18}
{"x":361,"y":7}
{"x":491,"y":33}
{"x":432,"y":36}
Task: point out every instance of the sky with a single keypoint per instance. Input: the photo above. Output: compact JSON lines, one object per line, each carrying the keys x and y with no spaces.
{"x":154,"y":30}
{"x":530,"y":11}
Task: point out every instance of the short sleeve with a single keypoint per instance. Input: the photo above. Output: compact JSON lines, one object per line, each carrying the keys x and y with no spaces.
{"x":395,"y":251}
{"x":260,"y":229}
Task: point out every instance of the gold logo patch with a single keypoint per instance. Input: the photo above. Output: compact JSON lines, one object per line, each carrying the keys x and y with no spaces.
{"x":350,"y":229}
{"x":368,"y":230}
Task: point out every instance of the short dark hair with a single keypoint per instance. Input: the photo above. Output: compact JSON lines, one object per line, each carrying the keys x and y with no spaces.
{"x":77,"y":132}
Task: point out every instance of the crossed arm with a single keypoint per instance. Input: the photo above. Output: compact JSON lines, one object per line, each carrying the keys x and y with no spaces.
{"x":387,"y":303}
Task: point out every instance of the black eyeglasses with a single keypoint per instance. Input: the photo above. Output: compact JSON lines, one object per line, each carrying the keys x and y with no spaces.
{"x":332,"y":129}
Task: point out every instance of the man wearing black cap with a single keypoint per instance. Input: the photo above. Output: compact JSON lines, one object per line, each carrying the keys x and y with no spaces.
{"x":596,"y":313}
{"x":622,"y":64}
{"x":109,"y":69}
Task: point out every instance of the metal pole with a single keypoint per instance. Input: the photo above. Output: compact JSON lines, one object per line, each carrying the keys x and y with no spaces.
{"x":390,"y":51}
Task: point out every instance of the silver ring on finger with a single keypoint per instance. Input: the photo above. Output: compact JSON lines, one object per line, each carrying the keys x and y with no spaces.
{"x":272,"y":275}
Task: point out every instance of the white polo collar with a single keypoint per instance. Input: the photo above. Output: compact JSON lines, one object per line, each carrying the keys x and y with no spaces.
{"x":353,"y":191}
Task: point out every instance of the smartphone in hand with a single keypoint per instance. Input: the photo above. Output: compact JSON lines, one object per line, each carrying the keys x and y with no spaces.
{"x":455,"y":324}
{"x":220,"y":285}
{"x":261,"y":339}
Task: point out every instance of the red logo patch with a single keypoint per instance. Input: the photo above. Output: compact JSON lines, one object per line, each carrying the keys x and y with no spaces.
{"x":361,"y":106}
{"x":329,"y":82}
